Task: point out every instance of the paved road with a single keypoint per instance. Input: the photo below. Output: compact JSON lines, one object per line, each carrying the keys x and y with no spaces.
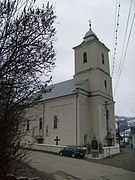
{"x":65,"y":168}
{"x":125,"y":160}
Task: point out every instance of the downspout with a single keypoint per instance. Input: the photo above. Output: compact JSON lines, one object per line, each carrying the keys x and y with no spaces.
{"x":43,"y":127}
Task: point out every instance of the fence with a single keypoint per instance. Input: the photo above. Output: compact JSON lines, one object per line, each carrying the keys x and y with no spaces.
{"x":107,"y":151}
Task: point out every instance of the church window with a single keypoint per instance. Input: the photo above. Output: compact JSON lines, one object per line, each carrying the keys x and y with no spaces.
{"x":105,"y":83}
{"x":55,"y":121}
{"x":28,"y":125}
{"x":40,"y":123}
{"x":46,"y":130}
{"x":84,"y":57}
{"x":103,"y":61}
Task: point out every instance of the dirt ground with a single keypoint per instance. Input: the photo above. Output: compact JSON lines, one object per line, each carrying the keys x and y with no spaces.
{"x":30,"y":172}
{"x":125,"y":160}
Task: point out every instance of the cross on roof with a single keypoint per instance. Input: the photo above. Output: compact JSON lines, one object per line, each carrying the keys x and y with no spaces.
{"x":57,"y":140}
{"x":90,"y":24}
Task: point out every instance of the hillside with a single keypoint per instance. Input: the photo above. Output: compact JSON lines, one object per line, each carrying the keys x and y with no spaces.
{"x":124,"y":122}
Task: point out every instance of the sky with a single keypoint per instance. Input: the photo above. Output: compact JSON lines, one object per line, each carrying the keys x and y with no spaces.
{"x":72,"y":24}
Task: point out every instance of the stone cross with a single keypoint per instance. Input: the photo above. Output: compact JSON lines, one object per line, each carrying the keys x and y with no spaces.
{"x":57,"y":140}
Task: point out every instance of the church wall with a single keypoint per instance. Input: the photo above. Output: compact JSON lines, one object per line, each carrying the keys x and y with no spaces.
{"x":92,"y":77}
{"x":105,"y":83}
{"x":91,"y":51}
{"x":103,"y":121}
{"x":33,"y":114}
{"x":64,"y":108}
{"x":102,"y":57}
{"x":98,"y":125}
{"x":98,"y":81}
{"x":94,"y":117}
{"x":96,"y":71}
{"x":84,"y":119}
{"x":97,"y":56}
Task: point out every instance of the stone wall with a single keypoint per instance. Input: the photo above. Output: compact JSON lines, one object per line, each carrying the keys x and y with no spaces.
{"x":47,"y":147}
{"x":112,"y":150}
{"x":107,"y":151}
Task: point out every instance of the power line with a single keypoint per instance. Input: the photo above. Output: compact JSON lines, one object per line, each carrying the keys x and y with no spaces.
{"x":125,"y":37}
{"x":123,"y":60}
{"x":116,"y":28}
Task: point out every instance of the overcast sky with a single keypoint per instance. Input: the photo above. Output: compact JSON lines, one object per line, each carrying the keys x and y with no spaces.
{"x":72,"y":24}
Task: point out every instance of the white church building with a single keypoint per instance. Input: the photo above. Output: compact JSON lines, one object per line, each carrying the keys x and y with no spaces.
{"x":79,"y":111}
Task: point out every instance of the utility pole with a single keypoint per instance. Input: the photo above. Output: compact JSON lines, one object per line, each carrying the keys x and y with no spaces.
{"x":119,"y":134}
{"x":124,"y":135}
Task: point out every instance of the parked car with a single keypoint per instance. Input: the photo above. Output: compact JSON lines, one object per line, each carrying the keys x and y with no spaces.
{"x":73,"y":151}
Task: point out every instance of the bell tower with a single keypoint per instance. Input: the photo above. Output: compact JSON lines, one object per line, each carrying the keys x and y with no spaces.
{"x":92,"y":64}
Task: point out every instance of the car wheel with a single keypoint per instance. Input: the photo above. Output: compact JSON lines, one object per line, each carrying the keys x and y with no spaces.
{"x":73,"y":155}
{"x":60,"y":154}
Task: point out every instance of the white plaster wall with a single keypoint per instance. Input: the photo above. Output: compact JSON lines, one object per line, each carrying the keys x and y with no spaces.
{"x":84,"y":119}
{"x":90,"y":49}
{"x":102,"y":77}
{"x":101,"y":49}
{"x":33,"y":114}
{"x":109,"y":151}
{"x":64,"y":108}
{"x":97,"y":73}
{"x":94,"y":117}
{"x":94,"y":50}
{"x":47,"y":147}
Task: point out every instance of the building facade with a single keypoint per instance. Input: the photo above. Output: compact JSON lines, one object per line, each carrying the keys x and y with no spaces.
{"x":79,"y":111}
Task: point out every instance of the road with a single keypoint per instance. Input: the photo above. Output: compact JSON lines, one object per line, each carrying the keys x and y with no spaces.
{"x":65,"y":168}
{"x":125,"y":160}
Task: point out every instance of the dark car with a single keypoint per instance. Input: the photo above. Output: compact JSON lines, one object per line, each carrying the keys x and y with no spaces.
{"x":73,"y":151}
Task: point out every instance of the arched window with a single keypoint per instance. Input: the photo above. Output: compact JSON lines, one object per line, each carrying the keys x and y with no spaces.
{"x":103,"y":61}
{"x":105,"y":83}
{"x":28,"y":125}
{"x":55,"y":121}
{"x":40,"y":123}
{"x":84,"y":57}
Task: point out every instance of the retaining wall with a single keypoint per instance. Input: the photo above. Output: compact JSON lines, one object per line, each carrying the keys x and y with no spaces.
{"x":107,"y":151}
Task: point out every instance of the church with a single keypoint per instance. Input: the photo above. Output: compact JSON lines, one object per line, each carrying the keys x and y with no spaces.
{"x":78,"y":111}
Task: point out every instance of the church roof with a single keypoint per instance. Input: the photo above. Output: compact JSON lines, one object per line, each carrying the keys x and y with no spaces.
{"x":90,"y":35}
{"x":58,"y":90}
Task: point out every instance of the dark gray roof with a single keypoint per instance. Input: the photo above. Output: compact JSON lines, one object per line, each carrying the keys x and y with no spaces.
{"x":58,"y":90}
{"x":89,"y":36}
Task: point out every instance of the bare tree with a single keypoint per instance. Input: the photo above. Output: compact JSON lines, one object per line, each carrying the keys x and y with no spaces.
{"x":27,"y":56}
